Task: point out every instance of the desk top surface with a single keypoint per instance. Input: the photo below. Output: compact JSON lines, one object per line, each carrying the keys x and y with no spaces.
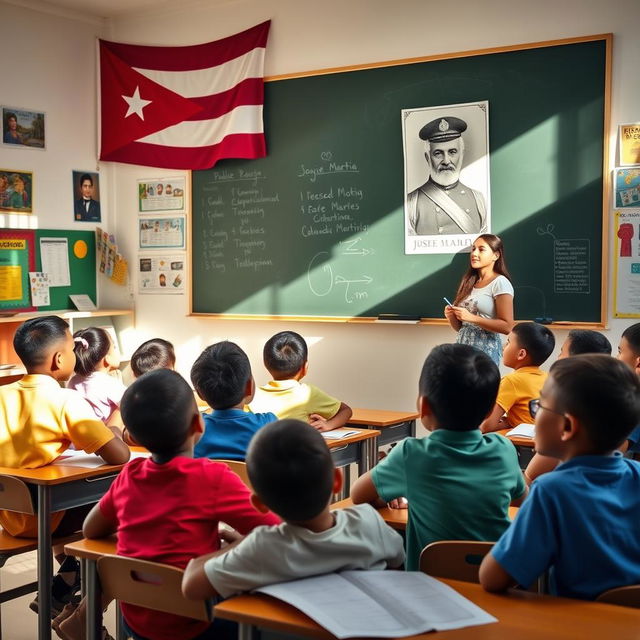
{"x":521,"y":614}
{"x":519,"y":441}
{"x":380,"y":417}
{"x":52,"y":474}
{"x":363,"y":434}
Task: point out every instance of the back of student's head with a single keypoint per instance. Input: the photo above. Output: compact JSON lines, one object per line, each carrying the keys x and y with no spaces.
{"x":158,"y":409}
{"x":91,"y":346}
{"x":460,"y":383}
{"x":632,"y":335}
{"x":35,"y":338}
{"x":536,"y":339}
{"x":153,"y":354}
{"x":291,"y":470}
{"x":587,"y":341}
{"x":220,"y":375}
{"x":603,"y":393}
{"x":285,"y":354}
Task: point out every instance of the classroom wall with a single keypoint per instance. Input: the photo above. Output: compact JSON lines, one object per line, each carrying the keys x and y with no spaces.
{"x":373,"y":366}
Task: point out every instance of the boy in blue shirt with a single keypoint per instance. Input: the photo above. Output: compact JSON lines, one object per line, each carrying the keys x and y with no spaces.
{"x":459,"y":483}
{"x":629,"y":353}
{"x":580,"y":521}
{"x":222,"y":377}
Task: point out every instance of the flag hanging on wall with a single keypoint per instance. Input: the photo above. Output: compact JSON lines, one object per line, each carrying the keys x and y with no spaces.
{"x":183,"y":107}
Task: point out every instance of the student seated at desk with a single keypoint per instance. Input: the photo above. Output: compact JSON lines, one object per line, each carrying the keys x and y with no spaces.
{"x":292,"y":473}
{"x":528,"y":345}
{"x":579,"y":341}
{"x":580,"y":521}
{"x":151,"y":355}
{"x":39,"y":420}
{"x":222,"y":376}
{"x":167,"y":508}
{"x":286,"y":359}
{"x":629,"y":353}
{"x":459,"y":482}
{"x":96,"y":359}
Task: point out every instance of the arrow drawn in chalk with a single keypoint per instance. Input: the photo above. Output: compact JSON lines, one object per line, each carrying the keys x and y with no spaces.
{"x":365,"y":280}
{"x":352,"y":250}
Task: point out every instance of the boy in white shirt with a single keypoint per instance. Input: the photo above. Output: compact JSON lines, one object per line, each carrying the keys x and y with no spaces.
{"x":293,"y":475}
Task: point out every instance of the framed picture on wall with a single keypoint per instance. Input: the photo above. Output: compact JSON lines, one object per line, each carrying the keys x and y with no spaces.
{"x":86,"y":196}
{"x":16,"y":191}
{"x":23,"y":127}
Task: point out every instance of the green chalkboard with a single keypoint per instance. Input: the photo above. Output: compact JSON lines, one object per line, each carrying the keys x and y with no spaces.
{"x":317,"y":228}
{"x":82,"y":266}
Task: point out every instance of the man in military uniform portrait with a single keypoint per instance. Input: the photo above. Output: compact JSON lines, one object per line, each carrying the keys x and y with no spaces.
{"x":443,"y":205}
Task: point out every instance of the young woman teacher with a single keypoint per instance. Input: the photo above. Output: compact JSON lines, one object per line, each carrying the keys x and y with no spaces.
{"x":483,"y":306}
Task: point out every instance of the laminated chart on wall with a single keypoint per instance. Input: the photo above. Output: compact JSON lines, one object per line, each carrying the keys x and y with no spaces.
{"x":17,"y":259}
{"x":626,"y":296}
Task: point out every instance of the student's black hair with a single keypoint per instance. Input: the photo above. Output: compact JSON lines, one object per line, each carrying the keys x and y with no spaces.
{"x":587,"y":341}
{"x":536,"y":339}
{"x":632,"y":335}
{"x":91,"y":345}
{"x":34,"y":338}
{"x":220,"y":375}
{"x":461,"y":384}
{"x":158,"y":409}
{"x":86,"y":176}
{"x":285,"y":354}
{"x":603,"y":393}
{"x":152,"y":354}
{"x":291,"y":470}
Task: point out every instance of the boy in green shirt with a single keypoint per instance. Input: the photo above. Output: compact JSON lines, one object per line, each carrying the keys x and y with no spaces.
{"x":458,"y":482}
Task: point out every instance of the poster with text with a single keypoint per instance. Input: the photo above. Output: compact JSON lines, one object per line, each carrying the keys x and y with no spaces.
{"x":626,"y":294}
{"x":629,"y":144}
{"x":161,"y":274}
{"x":626,"y":188}
{"x":161,"y":233}
{"x":17,"y":259}
{"x":161,"y":195}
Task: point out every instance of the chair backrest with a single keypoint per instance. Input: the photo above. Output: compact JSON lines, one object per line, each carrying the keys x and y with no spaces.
{"x":454,"y":559}
{"x":149,"y":584}
{"x":15,"y":495}
{"x":239,"y":468}
{"x":624,"y":596}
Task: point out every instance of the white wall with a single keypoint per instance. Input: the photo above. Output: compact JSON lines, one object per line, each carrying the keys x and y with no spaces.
{"x":373,"y":366}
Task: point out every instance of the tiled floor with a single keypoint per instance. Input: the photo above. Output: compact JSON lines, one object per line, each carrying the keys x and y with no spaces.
{"x":18,"y":621}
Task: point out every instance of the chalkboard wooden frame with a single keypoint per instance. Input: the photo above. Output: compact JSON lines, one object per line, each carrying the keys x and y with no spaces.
{"x":607,"y":39}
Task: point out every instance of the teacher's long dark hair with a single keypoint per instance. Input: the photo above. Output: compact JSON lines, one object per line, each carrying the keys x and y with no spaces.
{"x":471,"y":276}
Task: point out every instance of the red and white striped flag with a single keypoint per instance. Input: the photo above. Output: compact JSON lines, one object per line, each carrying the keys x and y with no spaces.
{"x":183,"y":107}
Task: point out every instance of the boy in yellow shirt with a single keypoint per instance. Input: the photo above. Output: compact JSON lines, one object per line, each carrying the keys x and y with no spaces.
{"x":39,"y":420}
{"x":528,"y":345}
{"x":286,"y":359}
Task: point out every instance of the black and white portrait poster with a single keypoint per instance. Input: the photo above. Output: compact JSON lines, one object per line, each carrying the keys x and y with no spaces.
{"x":446,"y":171}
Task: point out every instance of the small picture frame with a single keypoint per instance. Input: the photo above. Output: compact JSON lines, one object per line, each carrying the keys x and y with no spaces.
{"x":16,"y":191}
{"x":86,"y":196}
{"x":23,"y":128}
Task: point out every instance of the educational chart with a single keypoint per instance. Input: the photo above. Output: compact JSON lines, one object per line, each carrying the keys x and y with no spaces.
{"x":316,"y":228}
{"x":17,"y":259}
{"x":626,"y":191}
{"x":161,"y":274}
{"x":626,"y":298}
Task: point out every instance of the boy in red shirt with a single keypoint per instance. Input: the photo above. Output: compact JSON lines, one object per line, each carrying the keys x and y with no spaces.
{"x":167,"y":508}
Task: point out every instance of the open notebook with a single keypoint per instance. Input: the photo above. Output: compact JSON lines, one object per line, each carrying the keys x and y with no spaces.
{"x":357,"y":603}
{"x":523,"y":430}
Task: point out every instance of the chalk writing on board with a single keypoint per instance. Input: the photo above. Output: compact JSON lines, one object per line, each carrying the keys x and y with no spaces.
{"x":351,"y":248}
{"x":322,"y":281}
{"x":571,"y":260}
{"x":328,"y":166}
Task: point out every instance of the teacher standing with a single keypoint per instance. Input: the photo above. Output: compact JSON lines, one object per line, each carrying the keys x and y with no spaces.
{"x":483,"y":306}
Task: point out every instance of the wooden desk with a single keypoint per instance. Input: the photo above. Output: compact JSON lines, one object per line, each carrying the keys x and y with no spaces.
{"x":524,"y":447}
{"x":360,"y":449}
{"x":521,"y":615}
{"x":397,"y":518}
{"x":394,"y":425}
{"x":56,"y":487}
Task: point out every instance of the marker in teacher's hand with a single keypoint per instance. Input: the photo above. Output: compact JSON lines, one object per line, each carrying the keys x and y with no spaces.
{"x":447,"y":301}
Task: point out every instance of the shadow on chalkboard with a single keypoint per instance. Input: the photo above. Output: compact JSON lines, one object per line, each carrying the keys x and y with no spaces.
{"x":572,"y":284}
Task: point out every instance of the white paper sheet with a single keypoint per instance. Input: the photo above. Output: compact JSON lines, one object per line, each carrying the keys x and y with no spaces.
{"x":523,"y":430}
{"x":54,"y":255}
{"x":338,"y":434}
{"x":82,"y":460}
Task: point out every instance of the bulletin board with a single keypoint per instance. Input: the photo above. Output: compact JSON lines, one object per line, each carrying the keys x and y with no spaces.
{"x":17,"y":258}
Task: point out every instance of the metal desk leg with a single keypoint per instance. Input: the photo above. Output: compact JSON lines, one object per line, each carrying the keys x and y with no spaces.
{"x":246,"y":631}
{"x":45,"y":562}
{"x":368,"y":455}
{"x":94,"y":605}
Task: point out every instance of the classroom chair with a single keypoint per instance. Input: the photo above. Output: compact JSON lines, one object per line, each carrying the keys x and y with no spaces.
{"x":15,"y":496}
{"x":623,"y":596}
{"x":239,"y":468}
{"x":454,"y":559}
{"x":148,"y":584}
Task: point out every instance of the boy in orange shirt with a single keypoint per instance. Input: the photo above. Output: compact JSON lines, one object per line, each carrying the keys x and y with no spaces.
{"x":39,"y":420}
{"x":528,"y":345}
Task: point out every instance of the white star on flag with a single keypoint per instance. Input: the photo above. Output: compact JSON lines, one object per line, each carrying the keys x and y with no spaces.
{"x":136,"y":104}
